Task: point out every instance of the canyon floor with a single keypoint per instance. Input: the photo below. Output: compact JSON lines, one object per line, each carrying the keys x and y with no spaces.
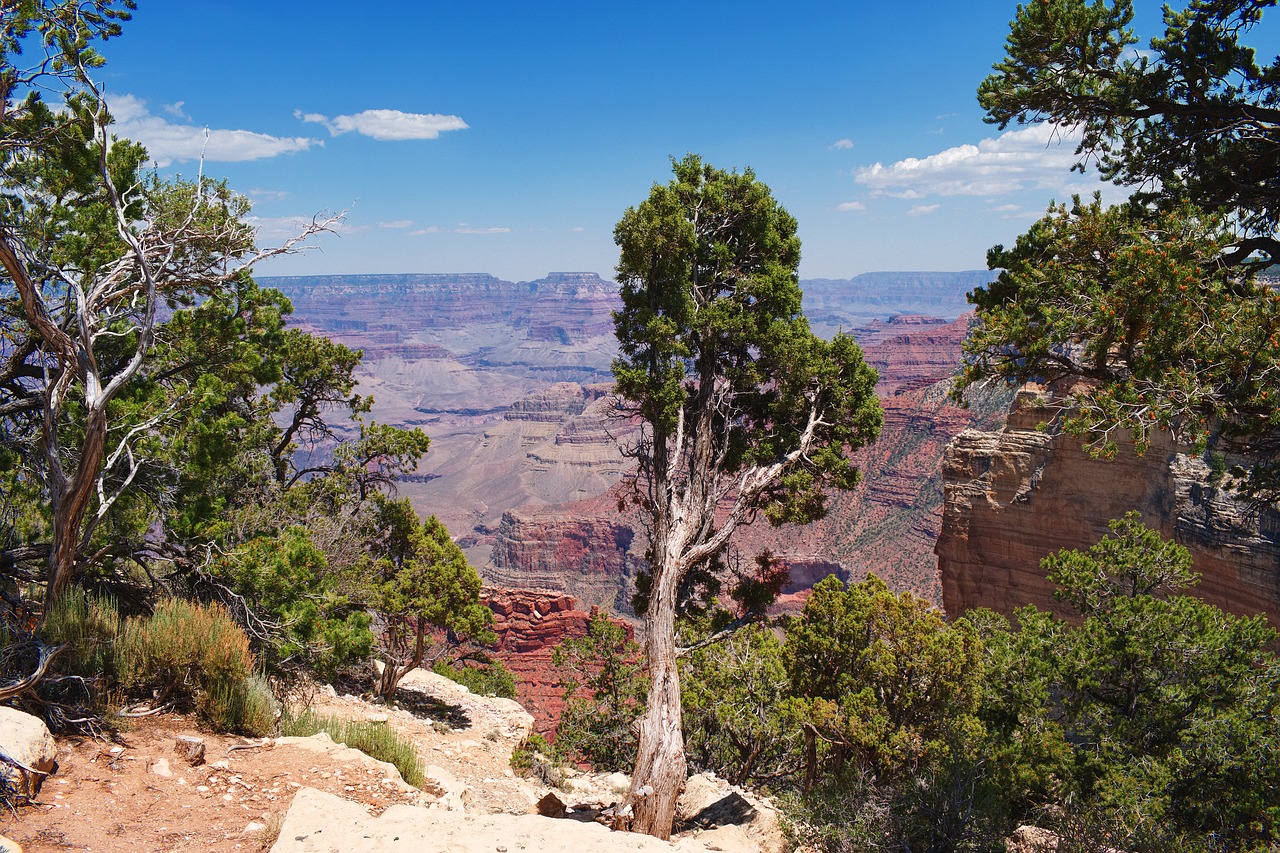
{"x":134,"y":792}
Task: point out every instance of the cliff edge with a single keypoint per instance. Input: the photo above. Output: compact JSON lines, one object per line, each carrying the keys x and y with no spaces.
{"x":1013,"y":496}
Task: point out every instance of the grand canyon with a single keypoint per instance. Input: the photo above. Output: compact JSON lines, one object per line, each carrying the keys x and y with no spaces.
{"x":957,"y":503}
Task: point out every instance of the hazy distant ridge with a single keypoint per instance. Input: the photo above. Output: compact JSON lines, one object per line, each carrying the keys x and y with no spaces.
{"x":828,"y":302}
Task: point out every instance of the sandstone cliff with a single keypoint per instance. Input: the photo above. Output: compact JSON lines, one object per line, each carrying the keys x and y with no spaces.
{"x":1015,"y":495}
{"x":530,"y":624}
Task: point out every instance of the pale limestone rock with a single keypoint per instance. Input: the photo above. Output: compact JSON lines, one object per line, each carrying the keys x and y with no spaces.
{"x":26,"y":740}
{"x":319,"y":823}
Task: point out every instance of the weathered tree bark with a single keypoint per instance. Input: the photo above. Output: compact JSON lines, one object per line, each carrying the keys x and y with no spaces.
{"x":660,"y":767}
{"x":70,"y":503}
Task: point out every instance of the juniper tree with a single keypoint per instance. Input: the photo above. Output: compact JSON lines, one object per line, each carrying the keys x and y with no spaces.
{"x":744,"y":410}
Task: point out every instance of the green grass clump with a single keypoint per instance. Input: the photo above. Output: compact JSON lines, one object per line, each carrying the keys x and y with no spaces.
{"x":87,"y":625}
{"x":246,"y":705}
{"x":377,"y":740}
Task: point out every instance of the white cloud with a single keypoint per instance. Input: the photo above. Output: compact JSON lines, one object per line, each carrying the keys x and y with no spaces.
{"x":577,"y":229}
{"x":387,"y":125}
{"x":169,"y":143}
{"x":175,"y":109}
{"x":463,"y":228}
{"x":396,"y":223}
{"x":843,"y":144}
{"x":259,"y":194}
{"x":923,"y":209}
{"x":1036,"y":157}
{"x":851,"y":205}
{"x":1007,"y":208}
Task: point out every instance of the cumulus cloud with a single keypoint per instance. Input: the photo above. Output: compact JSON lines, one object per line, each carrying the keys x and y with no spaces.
{"x":851,"y":205}
{"x":168,"y":142}
{"x":843,"y":144}
{"x":387,"y":125}
{"x":923,"y":209}
{"x":1036,"y":157}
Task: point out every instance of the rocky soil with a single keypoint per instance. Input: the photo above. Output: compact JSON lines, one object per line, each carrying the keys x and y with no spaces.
{"x":139,"y":793}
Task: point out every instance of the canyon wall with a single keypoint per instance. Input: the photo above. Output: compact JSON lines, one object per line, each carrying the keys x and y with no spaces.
{"x":510,"y":381}
{"x":530,"y":624}
{"x":1015,"y":495}
{"x":888,"y":524}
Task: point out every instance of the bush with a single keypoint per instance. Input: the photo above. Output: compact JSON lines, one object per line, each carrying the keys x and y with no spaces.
{"x":377,"y":740}
{"x":182,"y":645}
{"x":538,"y":759}
{"x":492,"y":679}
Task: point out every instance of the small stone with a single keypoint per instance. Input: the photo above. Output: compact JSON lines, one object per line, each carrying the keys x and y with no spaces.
{"x":551,"y":806}
{"x":161,"y":768}
{"x":254,"y":827}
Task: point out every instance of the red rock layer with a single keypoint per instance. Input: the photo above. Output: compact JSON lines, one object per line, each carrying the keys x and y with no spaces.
{"x":1016,"y":495}
{"x":530,"y":624}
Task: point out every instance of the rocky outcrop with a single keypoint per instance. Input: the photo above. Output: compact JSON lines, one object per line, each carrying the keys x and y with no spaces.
{"x":530,"y":624}
{"x":318,"y":822}
{"x":588,"y":555}
{"x":1015,"y":495}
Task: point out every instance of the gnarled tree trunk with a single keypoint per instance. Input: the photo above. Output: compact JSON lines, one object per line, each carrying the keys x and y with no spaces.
{"x":660,"y":766}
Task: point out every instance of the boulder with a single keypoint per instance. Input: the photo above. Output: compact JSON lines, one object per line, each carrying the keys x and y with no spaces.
{"x":26,"y":742}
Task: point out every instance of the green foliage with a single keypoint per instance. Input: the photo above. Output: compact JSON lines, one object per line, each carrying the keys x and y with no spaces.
{"x":247,"y":706}
{"x":605,"y":664}
{"x":377,"y":740}
{"x":1191,"y":118}
{"x":1148,"y":312}
{"x":540,"y":760}
{"x":191,"y":655}
{"x":710,"y":299}
{"x":732,"y":694}
{"x":419,"y":580}
{"x":1156,"y":709}
{"x":488,"y":679}
{"x":1136,"y":304}
{"x":87,"y":625}
{"x":182,"y":643}
{"x":883,"y":676}
{"x":286,"y":578}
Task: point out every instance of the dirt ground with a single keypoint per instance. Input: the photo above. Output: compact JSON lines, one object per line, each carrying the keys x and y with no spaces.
{"x":138,"y":794}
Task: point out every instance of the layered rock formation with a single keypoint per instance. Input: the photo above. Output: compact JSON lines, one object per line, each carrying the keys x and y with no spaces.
{"x":508,"y":378}
{"x":887,"y":525}
{"x":1015,"y":495}
{"x":530,"y":624}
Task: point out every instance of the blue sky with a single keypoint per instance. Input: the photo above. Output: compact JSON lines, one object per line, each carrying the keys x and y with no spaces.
{"x":508,"y":137}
